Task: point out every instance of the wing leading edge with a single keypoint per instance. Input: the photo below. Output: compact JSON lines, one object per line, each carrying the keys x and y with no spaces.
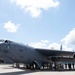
{"x":50,"y":52}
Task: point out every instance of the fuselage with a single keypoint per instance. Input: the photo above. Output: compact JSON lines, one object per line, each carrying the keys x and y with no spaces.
{"x":16,"y":52}
{"x":33,"y":58}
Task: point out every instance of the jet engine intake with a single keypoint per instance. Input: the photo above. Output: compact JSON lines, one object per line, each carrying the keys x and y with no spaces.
{"x":74,"y":55}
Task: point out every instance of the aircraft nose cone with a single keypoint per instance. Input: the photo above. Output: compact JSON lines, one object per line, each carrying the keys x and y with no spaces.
{"x":0,"y":50}
{"x":0,"y":47}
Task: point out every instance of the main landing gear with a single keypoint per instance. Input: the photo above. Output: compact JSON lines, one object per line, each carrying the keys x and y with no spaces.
{"x":32,"y":66}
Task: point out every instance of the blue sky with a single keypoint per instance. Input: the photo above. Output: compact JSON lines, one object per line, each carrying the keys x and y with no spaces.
{"x":45,"y":23}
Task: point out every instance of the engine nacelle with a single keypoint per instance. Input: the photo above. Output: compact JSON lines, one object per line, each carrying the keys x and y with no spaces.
{"x":1,"y":60}
{"x":74,"y":55}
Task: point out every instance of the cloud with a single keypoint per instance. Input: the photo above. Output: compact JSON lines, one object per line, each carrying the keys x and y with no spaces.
{"x":35,"y":7}
{"x":69,"y":38}
{"x":41,"y":44}
{"x":47,"y":45}
{"x":11,"y":27}
{"x":54,"y":46}
{"x":68,"y":43}
{"x":57,"y":46}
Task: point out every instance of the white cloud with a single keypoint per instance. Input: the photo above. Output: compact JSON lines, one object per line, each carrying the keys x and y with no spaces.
{"x":46,"y":44}
{"x":54,"y":46}
{"x":35,"y":7}
{"x":70,"y":38}
{"x":57,"y":46}
{"x":11,"y":27}
{"x":41,"y":44}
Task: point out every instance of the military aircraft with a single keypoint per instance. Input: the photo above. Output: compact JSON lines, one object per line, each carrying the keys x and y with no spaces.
{"x":33,"y":58}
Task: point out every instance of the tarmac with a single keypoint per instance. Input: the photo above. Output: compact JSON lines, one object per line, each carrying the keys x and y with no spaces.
{"x":9,"y":70}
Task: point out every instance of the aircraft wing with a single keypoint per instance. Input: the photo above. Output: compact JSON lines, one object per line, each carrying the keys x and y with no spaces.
{"x":50,"y":52}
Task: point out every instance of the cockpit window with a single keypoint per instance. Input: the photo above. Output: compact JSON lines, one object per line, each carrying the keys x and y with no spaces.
{"x":2,"y":41}
{"x":6,"y":41}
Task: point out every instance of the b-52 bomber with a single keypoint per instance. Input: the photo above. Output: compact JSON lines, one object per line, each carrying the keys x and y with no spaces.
{"x":33,"y":58}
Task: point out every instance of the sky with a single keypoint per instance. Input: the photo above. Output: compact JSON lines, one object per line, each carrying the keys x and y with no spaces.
{"x":39,"y":23}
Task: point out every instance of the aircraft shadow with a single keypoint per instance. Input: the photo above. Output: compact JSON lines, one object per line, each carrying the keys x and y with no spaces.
{"x":25,"y":71}
{"x":18,"y":73}
{"x":31,"y":71}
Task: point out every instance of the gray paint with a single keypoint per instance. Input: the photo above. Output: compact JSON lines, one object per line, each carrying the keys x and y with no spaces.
{"x":20,"y":53}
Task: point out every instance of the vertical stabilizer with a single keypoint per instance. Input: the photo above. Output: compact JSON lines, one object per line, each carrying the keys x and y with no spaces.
{"x":61,"y":47}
